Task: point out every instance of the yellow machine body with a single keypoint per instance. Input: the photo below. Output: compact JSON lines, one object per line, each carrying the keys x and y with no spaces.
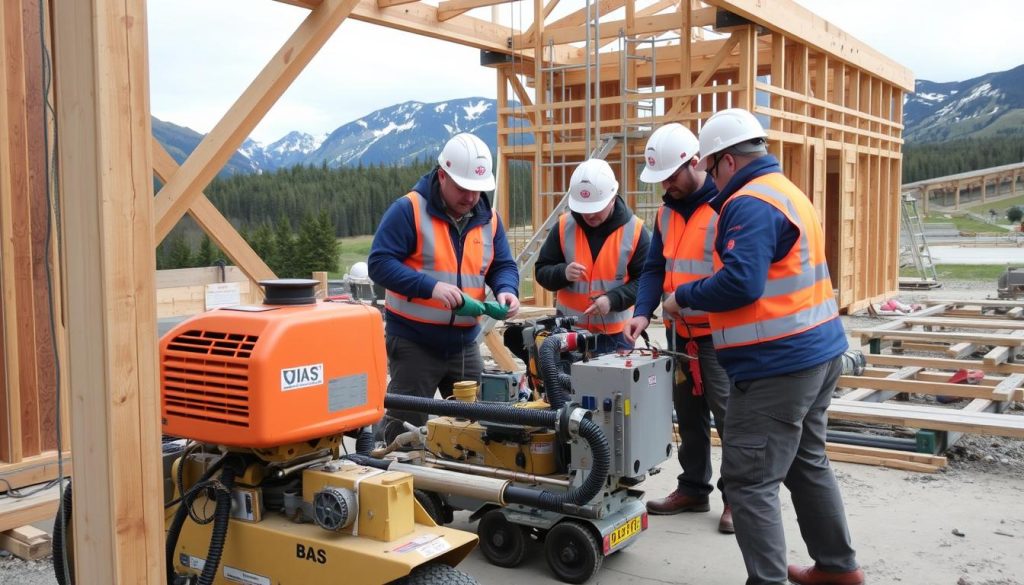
{"x":529,"y":451}
{"x":392,"y":536}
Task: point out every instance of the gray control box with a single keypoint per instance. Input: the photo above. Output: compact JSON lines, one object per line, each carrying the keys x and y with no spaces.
{"x":630,"y":398}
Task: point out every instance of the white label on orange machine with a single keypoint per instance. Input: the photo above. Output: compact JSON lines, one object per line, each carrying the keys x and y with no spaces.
{"x":302,"y":377}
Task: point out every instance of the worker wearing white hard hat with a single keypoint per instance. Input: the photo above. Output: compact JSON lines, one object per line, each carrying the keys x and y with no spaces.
{"x":776,"y":328}
{"x":435,"y":247}
{"x":681,"y":252}
{"x":593,"y":258}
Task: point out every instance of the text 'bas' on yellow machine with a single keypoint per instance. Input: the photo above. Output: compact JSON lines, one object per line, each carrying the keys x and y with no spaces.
{"x":264,"y":394}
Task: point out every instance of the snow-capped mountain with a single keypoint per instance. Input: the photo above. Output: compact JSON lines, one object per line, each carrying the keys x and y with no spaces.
{"x":397,"y":135}
{"x":407,"y":132}
{"x":989,"y":105}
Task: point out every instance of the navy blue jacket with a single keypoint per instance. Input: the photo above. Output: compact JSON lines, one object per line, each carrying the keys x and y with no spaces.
{"x":757,"y":235}
{"x":395,"y":240}
{"x":652,"y":281}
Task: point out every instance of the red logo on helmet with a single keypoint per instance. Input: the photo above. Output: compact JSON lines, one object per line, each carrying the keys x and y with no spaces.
{"x":480,"y":171}
{"x":448,"y":163}
{"x":682,"y":155}
{"x":650,"y":161}
{"x":585,"y":194}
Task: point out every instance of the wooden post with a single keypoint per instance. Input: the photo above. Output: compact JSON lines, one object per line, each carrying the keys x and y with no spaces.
{"x":321,"y":287}
{"x":106,"y":173}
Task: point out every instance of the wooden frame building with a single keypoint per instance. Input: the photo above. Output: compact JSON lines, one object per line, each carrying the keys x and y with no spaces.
{"x":78,"y":302}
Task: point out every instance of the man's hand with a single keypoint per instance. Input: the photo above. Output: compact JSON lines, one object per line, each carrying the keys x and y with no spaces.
{"x":509,"y":300}
{"x":575,"y":271}
{"x":600,"y":306}
{"x":635,"y":327}
{"x":449,"y":295}
{"x":671,"y":308}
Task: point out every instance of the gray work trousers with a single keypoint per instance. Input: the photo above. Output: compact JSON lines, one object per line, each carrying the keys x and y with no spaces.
{"x":777,"y":435}
{"x":416,"y":371}
{"x":693,"y":413}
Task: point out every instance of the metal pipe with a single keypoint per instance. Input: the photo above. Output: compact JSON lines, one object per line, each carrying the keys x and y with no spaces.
{"x":286,"y":471}
{"x":432,"y":479}
{"x":497,"y":472}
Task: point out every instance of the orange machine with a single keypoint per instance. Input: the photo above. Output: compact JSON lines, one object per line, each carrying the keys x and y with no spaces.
{"x":274,"y":374}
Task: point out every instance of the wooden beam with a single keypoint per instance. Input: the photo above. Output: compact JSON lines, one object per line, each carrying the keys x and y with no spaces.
{"x":709,"y":70}
{"x":929,"y":417}
{"x":527,"y":38}
{"x":448,"y":9}
{"x":502,"y":356}
{"x":213,"y":223}
{"x":221,"y":143}
{"x":27,"y":542}
{"x":15,"y":512}
{"x":796,"y":22}
{"x":925,"y":387}
{"x":106,"y":173}
{"x":947,"y":336}
{"x":383,"y":3}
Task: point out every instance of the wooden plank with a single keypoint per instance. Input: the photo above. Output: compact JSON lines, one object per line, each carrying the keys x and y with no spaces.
{"x":448,"y":9}
{"x":996,"y":356}
{"x":987,"y":303}
{"x":499,"y":352}
{"x":26,"y":542}
{"x":960,"y":350}
{"x":105,"y":164}
{"x":185,"y":277}
{"x":1008,"y":388}
{"x":925,"y":387}
{"x":928,"y":417}
{"x":942,"y":363}
{"x":8,"y":336}
{"x":15,"y":512}
{"x":33,"y":470}
{"x":867,"y":393}
{"x":798,"y":23}
{"x":960,"y":323}
{"x":882,"y":462}
{"x":220,"y":144}
{"x":982,"y":338}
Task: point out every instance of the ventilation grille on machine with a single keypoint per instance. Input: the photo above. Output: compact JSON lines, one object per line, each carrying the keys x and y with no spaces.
{"x":206,"y":376}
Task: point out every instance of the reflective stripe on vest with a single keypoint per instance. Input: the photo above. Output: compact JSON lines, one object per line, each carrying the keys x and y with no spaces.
{"x":689,"y":250}
{"x":610,"y":270}
{"x":435,"y":256}
{"x":798,"y":293}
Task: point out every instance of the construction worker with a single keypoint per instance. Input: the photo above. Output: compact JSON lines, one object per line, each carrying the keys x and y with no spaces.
{"x":681,"y":251}
{"x":437,"y":243}
{"x":776,"y":328}
{"x":595,"y":256}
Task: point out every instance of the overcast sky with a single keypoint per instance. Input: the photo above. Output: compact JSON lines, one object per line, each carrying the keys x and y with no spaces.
{"x":204,"y":53}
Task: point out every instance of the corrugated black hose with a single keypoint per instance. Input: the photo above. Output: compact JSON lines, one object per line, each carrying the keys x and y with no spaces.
{"x":494,"y":412}
{"x":232,"y":468}
{"x":60,"y":524}
{"x":364,"y":441}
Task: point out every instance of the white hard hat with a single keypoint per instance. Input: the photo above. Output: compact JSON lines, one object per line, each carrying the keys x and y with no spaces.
{"x":467,"y":160}
{"x":359,"y":270}
{"x":592,"y":186}
{"x":728,"y":128}
{"x":669,"y":148}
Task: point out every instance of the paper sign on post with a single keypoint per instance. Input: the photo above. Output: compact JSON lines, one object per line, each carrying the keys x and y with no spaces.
{"x":223,"y":294}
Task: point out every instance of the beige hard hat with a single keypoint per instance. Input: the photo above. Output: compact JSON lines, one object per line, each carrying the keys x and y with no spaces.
{"x":592,"y":186}
{"x":467,"y":160}
{"x":669,"y":148}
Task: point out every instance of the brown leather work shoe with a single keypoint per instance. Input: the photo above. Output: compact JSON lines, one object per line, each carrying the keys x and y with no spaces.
{"x":815,"y":576}
{"x":725,"y":522}
{"x":677,"y":502}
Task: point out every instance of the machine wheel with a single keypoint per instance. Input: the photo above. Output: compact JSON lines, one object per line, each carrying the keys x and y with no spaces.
{"x":572,"y":552}
{"x":436,"y":574}
{"x":434,"y":506}
{"x":502,"y":542}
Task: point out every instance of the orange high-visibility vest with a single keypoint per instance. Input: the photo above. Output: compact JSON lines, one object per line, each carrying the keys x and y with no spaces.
{"x":435,"y":256}
{"x":610,"y":270}
{"x":798,"y":295}
{"x":689,"y":250}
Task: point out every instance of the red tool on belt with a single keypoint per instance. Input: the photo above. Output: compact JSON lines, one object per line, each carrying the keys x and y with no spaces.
{"x":693,"y":350}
